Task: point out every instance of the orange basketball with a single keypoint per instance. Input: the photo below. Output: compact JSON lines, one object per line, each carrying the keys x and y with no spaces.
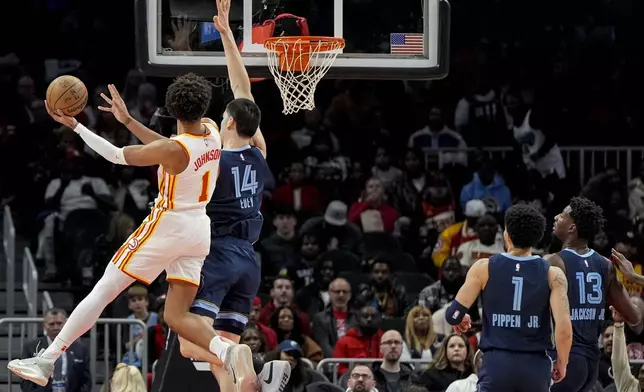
{"x":67,"y":93}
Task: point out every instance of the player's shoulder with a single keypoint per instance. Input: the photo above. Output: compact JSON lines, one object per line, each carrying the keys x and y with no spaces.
{"x":554,"y":259}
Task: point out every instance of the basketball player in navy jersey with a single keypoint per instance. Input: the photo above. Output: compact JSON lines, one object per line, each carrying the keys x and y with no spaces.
{"x":519,"y":293}
{"x":591,"y":282}
{"x":231,"y":274}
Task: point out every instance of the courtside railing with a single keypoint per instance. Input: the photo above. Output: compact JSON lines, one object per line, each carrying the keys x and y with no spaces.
{"x":582,"y":163}
{"x":9,"y":245}
{"x":30,"y":288}
{"x":112,"y":354}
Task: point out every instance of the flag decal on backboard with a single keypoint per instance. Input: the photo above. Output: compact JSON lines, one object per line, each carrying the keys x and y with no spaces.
{"x":406,"y":43}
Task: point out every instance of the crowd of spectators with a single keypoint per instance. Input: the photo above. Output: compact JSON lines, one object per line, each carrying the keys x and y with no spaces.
{"x":379,"y":208}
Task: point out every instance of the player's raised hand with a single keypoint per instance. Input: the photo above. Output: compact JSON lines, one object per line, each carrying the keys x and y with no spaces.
{"x":622,"y":263}
{"x":464,"y":326}
{"x":61,"y":118}
{"x":117,"y":105}
{"x":221,"y":19}
{"x":181,"y":28}
{"x":616,"y":316}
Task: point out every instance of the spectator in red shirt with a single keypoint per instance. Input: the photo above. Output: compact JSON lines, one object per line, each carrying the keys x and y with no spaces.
{"x":363,"y":341}
{"x":305,"y":200}
{"x":371,"y":212}
{"x":282,"y":295}
{"x":270,"y":336}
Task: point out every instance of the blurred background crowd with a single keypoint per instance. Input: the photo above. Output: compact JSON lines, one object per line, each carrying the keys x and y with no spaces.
{"x":386,"y":193}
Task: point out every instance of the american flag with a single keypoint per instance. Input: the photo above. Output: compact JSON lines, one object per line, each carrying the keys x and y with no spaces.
{"x":406,"y":43}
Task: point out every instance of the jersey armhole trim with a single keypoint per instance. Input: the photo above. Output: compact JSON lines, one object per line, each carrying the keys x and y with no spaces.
{"x":184,"y":147}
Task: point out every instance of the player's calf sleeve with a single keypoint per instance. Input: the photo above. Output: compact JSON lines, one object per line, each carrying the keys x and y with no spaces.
{"x":89,"y":310}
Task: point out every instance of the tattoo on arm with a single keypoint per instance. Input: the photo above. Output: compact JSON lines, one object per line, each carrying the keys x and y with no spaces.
{"x":562,"y":282}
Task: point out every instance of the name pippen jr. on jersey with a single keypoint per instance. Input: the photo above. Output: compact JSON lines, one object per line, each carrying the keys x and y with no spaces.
{"x":211,"y":155}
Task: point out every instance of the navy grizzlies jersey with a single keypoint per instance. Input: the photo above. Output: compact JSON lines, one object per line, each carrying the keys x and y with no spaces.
{"x":234,"y":206}
{"x":587,"y":276}
{"x":516,"y":304}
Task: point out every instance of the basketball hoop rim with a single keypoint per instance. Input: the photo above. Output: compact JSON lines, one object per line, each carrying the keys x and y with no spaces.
{"x":301,"y":43}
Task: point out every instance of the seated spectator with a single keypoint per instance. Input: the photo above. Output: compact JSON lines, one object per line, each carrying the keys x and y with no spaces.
{"x":371,"y":212}
{"x":253,"y":338}
{"x":488,"y":186}
{"x":332,"y":324}
{"x":73,"y":190}
{"x":361,"y":380}
{"x":468,"y":384}
{"x":489,"y":242}
{"x":406,"y":193}
{"x":138,"y":302}
{"x":282,"y":295}
{"x":270,"y":336}
{"x":436,"y":135}
{"x":457,"y":234}
{"x":302,"y":273}
{"x":334,"y":230}
{"x":306,"y":200}
{"x":287,"y":325}
{"x":421,"y":341}
{"x":71,"y":371}
{"x":439,"y":293}
{"x":314,"y":297}
{"x":157,"y":335}
{"x":280,"y":249}
{"x":636,"y":195}
{"x":605,"y":377}
{"x":437,"y":199}
{"x":383,"y":170}
{"x":453,"y":362}
{"x":390,"y":374}
{"x":362,"y":341}
{"x":132,"y":192}
{"x":125,"y":379}
{"x":301,"y":373}
{"x":386,"y":299}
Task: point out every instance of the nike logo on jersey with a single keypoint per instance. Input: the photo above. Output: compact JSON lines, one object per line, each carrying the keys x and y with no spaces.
{"x":269,"y":379}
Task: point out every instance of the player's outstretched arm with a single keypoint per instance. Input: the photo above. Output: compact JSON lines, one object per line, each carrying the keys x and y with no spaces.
{"x":169,"y":153}
{"x":239,"y":80}
{"x":619,"y":298}
{"x":560,"y":312}
{"x":475,"y":281}
{"x":119,"y":110}
{"x":624,"y":265}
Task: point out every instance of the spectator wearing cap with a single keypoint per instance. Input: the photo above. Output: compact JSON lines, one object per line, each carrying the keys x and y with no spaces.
{"x":455,"y":235}
{"x":301,"y":372}
{"x":281,"y":248}
{"x":363,"y":341}
{"x":282,"y":295}
{"x":371,"y":212}
{"x":270,"y":336}
{"x":488,"y":243}
{"x":334,"y":229}
{"x":488,"y":186}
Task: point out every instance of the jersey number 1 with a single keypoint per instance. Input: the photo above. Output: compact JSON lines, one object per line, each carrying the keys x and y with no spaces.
{"x":205,"y":181}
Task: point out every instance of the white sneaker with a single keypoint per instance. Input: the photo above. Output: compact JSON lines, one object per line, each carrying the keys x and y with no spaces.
{"x":239,"y":364}
{"x":274,"y":376}
{"x":36,"y":369}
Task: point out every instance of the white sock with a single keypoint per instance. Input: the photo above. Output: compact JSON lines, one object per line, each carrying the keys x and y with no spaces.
{"x":55,"y":349}
{"x":218,"y":347}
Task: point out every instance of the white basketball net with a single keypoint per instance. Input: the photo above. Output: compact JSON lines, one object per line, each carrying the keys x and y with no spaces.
{"x":297,"y":88}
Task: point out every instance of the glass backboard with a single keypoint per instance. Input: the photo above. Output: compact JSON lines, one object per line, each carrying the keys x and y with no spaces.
{"x":384,"y":39}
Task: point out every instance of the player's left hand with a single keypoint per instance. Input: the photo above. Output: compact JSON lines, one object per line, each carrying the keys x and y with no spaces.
{"x":117,"y":105}
{"x":61,"y":118}
{"x":622,"y":263}
{"x":464,"y":326}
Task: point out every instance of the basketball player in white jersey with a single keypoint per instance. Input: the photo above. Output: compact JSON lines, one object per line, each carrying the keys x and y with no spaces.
{"x":175,"y":237}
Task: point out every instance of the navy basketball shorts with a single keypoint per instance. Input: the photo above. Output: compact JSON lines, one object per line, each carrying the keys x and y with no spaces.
{"x":230,"y":278}
{"x":582,"y":373}
{"x":515,"y":371}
